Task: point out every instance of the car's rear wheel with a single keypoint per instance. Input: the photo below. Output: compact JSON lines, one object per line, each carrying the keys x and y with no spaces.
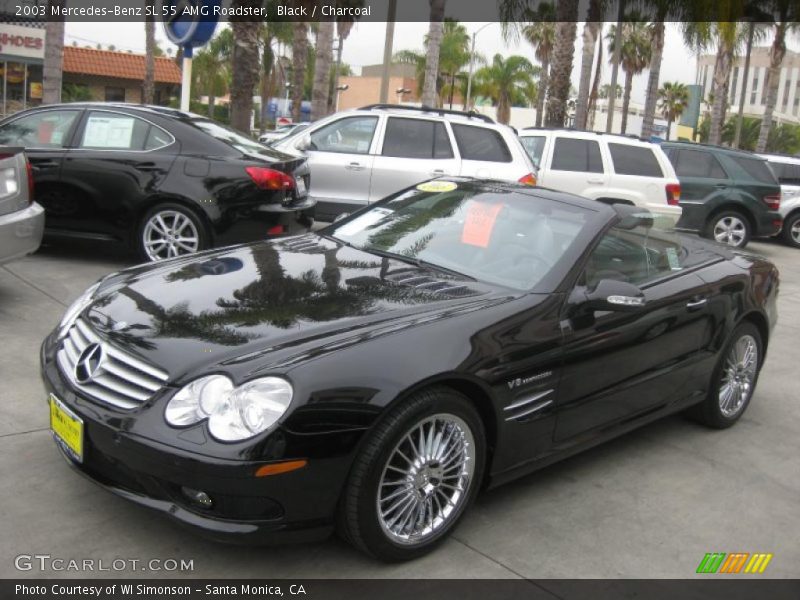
{"x":791,"y":230}
{"x":734,"y":379}
{"x":729,"y":227}
{"x":169,"y":230}
{"x":415,"y":476}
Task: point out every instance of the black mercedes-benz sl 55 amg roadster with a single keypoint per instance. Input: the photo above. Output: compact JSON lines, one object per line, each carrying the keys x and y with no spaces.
{"x":371,"y":377}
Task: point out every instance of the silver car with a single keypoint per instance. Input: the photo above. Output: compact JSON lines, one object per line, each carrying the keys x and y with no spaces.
{"x":787,"y":170}
{"x":21,"y":219}
{"x":363,"y":155}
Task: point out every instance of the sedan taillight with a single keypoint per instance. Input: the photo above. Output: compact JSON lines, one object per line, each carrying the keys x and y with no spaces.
{"x":270,"y":179}
{"x":29,"y":172}
{"x":673,"y":194}
{"x":529,"y":179}
{"x":773,"y":201}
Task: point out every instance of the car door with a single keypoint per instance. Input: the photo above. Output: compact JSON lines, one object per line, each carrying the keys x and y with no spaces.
{"x":704,"y":183}
{"x":340,"y":157}
{"x":45,"y":135}
{"x":412,"y":150}
{"x":576,"y":165}
{"x":620,"y":365}
{"x":117,"y":162}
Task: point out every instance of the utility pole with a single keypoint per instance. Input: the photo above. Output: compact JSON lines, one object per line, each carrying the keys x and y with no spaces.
{"x":750,"y":34}
{"x":387,"y":51}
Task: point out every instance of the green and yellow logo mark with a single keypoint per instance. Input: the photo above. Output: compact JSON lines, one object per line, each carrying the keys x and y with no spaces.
{"x":735,"y":562}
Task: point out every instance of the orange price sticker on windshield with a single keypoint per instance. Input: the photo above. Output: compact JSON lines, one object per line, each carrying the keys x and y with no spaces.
{"x":479,"y":223}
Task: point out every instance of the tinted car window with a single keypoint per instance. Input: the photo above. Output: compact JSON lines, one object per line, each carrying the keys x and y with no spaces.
{"x":788,"y":174}
{"x":634,"y":160}
{"x":416,"y":138}
{"x":756,"y":168}
{"x":577,"y":155}
{"x":534,"y":146}
{"x":157,"y":138}
{"x":352,"y":135}
{"x":479,"y":143}
{"x":46,"y":129}
{"x":483,"y":234}
{"x":113,"y":131}
{"x":229,"y":136}
{"x":696,"y":163}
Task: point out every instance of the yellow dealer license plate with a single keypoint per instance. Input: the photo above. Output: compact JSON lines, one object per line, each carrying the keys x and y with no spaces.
{"x":67,"y":428}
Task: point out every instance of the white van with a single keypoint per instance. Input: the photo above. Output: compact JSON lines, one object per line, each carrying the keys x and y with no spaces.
{"x":609,"y":168}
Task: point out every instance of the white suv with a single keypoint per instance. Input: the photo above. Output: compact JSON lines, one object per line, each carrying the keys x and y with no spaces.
{"x":363,"y":155}
{"x":609,"y":168}
{"x":787,"y":170}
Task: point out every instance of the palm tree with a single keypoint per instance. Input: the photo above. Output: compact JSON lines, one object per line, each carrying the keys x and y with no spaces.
{"x":591,"y":31}
{"x":506,"y":81}
{"x":598,"y":71}
{"x":343,"y":28}
{"x":434,"y":41}
{"x":53,"y":55}
{"x":605,"y":91}
{"x":246,"y":66}
{"x":787,"y":15}
{"x":660,"y":10}
{"x":541,"y":34}
{"x":299,"y":58}
{"x":148,"y":87}
{"x":561,"y":68}
{"x":673,"y":98}
{"x":322,"y":70}
{"x":635,"y":54}
{"x":272,"y":32}
{"x":211,"y":73}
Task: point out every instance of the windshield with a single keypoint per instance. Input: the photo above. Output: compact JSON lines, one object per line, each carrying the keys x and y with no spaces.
{"x":495,"y":235}
{"x":229,"y":136}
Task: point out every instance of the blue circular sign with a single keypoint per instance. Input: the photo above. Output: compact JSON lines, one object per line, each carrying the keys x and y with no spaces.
{"x":190,"y":23}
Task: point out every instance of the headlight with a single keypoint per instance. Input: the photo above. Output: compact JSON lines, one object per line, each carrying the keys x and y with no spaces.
{"x":233,"y":413}
{"x":76,"y":308}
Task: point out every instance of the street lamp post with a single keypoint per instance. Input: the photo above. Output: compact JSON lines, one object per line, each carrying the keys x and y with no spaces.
{"x":288,"y":87}
{"x":401,"y":91}
{"x":339,"y":90}
{"x":472,"y":63}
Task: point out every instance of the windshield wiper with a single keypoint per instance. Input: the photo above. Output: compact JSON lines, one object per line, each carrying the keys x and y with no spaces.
{"x":417,"y":262}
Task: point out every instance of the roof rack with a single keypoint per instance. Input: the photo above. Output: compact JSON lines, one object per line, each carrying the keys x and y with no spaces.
{"x":471,"y":114}
{"x":631,"y":136}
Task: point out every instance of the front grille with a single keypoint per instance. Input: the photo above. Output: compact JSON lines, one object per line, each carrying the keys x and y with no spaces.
{"x":116,"y":377}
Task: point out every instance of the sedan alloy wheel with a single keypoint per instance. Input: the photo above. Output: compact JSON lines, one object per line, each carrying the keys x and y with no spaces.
{"x":739,"y":375}
{"x":731,"y":230}
{"x":170,"y":233}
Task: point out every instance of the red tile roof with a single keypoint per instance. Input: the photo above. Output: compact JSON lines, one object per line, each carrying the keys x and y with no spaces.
{"x":122,"y":65}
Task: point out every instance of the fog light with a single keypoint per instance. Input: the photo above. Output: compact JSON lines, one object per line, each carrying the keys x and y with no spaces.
{"x":198,"y":497}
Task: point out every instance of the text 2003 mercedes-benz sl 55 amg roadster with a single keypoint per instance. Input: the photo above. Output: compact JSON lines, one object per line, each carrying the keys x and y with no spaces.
{"x":371,"y":377}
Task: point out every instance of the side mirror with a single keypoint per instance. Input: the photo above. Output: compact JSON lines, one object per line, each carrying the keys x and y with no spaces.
{"x":304,"y":143}
{"x":340,"y":216}
{"x":611,"y":295}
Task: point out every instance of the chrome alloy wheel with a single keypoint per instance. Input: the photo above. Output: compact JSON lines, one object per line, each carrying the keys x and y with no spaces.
{"x":170,"y":233}
{"x":730,"y":230}
{"x":795,"y":231}
{"x":738,"y":375}
{"x":426,"y":480}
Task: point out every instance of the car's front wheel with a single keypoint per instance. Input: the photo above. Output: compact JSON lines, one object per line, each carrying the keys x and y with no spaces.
{"x":417,"y":473}
{"x":729,"y":227}
{"x":791,"y":230}
{"x":169,"y":230}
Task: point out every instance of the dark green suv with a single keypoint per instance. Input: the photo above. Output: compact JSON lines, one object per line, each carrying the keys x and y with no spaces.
{"x":726,"y":195}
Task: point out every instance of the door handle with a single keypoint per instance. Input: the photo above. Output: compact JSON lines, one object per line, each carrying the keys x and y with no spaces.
{"x":437,"y":172}
{"x":692,"y":304}
{"x":721,"y":185}
{"x":354,"y":166}
{"x":600,"y":181}
{"x":44,"y":164}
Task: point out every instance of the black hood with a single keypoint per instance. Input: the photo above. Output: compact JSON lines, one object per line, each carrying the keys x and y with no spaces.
{"x":268,"y":302}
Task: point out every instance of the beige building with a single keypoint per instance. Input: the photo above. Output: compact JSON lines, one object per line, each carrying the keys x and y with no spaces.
{"x":787,"y":108}
{"x":366,"y":88}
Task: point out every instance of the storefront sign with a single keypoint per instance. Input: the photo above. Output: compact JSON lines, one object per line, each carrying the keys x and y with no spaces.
{"x":25,"y":42}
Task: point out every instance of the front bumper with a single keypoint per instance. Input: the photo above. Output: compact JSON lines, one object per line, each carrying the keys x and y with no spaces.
{"x":297,"y":506}
{"x":21,"y":232}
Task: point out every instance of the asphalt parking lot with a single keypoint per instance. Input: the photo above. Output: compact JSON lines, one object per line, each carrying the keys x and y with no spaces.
{"x":648,"y":505}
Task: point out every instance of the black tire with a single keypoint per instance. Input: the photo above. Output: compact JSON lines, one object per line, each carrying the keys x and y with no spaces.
{"x":358,"y":520}
{"x":793,"y":222}
{"x":167,"y":209}
{"x":733,"y":216}
{"x":709,"y":411}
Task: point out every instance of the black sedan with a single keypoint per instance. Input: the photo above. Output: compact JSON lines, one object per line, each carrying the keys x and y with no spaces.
{"x":165,"y":182}
{"x":371,"y":377}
